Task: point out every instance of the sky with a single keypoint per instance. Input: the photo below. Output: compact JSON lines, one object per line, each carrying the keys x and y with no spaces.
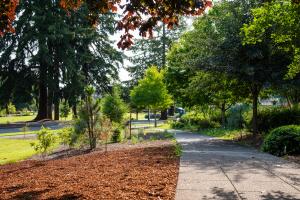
{"x":123,"y":73}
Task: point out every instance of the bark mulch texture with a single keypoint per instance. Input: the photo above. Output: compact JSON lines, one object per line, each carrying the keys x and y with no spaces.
{"x":141,"y":173}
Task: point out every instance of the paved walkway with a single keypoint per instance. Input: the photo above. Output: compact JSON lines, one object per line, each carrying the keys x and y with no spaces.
{"x":215,"y":169}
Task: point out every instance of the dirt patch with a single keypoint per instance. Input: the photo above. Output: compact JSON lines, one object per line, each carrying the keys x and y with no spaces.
{"x":148,"y":172}
{"x":295,"y":159}
{"x":251,"y":140}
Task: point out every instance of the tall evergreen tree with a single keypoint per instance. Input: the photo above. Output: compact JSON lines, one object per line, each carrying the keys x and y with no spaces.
{"x":58,"y":51}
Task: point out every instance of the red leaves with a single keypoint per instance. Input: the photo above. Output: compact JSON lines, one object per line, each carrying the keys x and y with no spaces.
{"x":7,"y":15}
{"x":138,"y":14}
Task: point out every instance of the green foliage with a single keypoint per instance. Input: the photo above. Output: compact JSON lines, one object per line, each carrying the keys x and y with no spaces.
{"x":117,"y":135}
{"x":88,"y":123}
{"x":225,"y":133}
{"x":46,"y":140}
{"x":273,"y":117}
{"x":11,"y":108}
{"x":25,"y":112}
{"x":135,"y":139}
{"x":64,"y":110}
{"x":65,"y":136}
{"x":114,"y":107}
{"x":177,"y":148}
{"x":235,"y":116}
{"x":280,"y":19}
{"x":147,"y":52}
{"x":151,"y":91}
{"x":282,"y":141}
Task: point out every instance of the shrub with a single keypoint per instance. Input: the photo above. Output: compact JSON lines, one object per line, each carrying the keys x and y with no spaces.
{"x":204,"y":124}
{"x":64,"y":110}
{"x":235,"y":117}
{"x":117,"y":135}
{"x":270,"y":118}
{"x":25,"y":112}
{"x":283,"y":140}
{"x":177,"y":124}
{"x":114,"y":107}
{"x":2,"y":113}
{"x":11,"y":108}
{"x":45,"y":141}
{"x":65,"y":136}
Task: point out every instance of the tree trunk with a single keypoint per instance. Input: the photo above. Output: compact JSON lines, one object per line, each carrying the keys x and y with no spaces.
{"x":172,"y":111}
{"x":164,"y":115}
{"x":56,"y":97}
{"x":6,"y":109}
{"x":74,"y":108}
{"x":149,"y":115}
{"x":155,"y":121}
{"x":50,"y":104}
{"x":223,"y":115}
{"x":43,"y":98}
{"x":255,"y":94}
{"x":164,"y":46}
{"x":56,"y":108}
{"x":137,"y":115}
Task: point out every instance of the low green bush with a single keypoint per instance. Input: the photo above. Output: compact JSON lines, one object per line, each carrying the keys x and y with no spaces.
{"x":65,"y":136}
{"x":117,"y":135}
{"x":235,"y":116}
{"x":273,"y":117}
{"x":282,"y":141}
{"x":46,"y":140}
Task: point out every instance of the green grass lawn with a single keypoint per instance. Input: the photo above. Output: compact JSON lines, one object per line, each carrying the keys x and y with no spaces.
{"x":15,"y":150}
{"x":27,"y":133}
{"x":12,"y":119}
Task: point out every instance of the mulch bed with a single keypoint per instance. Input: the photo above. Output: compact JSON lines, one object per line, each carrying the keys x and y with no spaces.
{"x":139,"y":173}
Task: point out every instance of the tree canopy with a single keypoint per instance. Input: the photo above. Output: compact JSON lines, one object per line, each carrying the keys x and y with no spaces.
{"x":143,"y":14}
{"x":151,"y":91}
{"x":281,"y":20}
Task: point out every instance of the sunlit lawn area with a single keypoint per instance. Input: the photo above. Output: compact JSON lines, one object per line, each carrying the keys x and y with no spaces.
{"x":15,"y":150}
{"x":12,"y":119}
{"x":27,"y":133}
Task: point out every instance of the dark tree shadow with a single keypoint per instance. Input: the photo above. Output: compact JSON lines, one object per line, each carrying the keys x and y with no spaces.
{"x":278,"y":195}
{"x":220,"y":194}
{"x":30,"y":195}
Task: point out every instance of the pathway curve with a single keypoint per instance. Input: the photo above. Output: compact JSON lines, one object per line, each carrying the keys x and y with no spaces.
{"x":216,"y":169}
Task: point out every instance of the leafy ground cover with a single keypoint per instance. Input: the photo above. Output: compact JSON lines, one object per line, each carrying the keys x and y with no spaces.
{"x":226,"y":134}
{"x":143,"y":172}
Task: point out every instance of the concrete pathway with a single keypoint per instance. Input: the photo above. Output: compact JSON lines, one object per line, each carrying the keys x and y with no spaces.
{"x":215,"y":169}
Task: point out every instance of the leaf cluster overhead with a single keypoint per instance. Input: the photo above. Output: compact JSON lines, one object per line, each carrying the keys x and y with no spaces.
{"x":137,"y":14}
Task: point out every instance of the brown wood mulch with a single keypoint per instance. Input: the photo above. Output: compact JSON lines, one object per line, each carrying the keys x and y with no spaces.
{"x":140,"y":173}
